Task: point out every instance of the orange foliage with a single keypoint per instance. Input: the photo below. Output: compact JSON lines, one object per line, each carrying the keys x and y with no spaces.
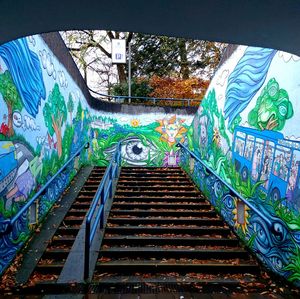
{"x":178,"y":88}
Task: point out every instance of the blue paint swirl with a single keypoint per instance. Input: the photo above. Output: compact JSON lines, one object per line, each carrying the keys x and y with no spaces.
{"x":275,"y":250}
{"x":25,"y":69}
{"x":246,"y":79}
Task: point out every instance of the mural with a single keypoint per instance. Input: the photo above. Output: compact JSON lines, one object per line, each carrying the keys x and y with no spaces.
{"x":45,"y":119}
{"x":246,"y":129}
{"x":151,"y":144}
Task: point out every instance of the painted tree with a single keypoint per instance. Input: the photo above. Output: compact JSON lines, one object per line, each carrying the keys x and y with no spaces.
{"x":272,"y":108}
{"x":11,"y":97}
{"x":70,"y":107}
{"x":79,"y":112}
{"x":55,"y":114}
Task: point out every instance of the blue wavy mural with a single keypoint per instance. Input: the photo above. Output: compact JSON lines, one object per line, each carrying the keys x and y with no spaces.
{"x":246,"y":79}
{"x":25,"y":69}
{"x":10,"y":243}
{"x":274,"y":249}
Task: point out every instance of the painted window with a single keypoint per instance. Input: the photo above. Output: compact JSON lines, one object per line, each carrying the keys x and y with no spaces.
{"x":249,"y":147}
{"x":294,"y":171}
{"x":239,"y":146}
{"x":267,"y":163}
{"x":257,"y":158}
{"x":281,"y":162}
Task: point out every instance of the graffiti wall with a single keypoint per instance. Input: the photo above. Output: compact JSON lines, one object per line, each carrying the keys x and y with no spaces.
{"x":45,"y":118}
{"x":149,"y":140}
{"x":246,"y":129}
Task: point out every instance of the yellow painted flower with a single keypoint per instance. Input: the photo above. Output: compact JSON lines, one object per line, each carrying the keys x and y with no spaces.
{"x":241,"y":215}
{"x":171,"y":130}
{"x":135,"y":122}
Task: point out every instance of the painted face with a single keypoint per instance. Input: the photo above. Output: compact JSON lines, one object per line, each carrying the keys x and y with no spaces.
{"x":17,"y":119}
{"x":172,"y":130}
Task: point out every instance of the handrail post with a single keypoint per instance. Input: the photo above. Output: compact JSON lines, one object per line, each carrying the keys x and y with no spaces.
{"x":102,"y":203}
{"x":117,"y":167}
{"x":87,"y":250}
{"x":102,"y":220}
{"x":102,"y":197}
{"x":110,"y":180}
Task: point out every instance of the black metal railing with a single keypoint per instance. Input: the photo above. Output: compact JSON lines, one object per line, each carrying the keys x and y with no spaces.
{"x":148,"y":100}
{"x":7,"y":224}
{"x":95,"y":215}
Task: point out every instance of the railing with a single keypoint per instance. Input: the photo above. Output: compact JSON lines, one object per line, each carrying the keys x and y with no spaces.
{"x":7,"y":224}
{"x":144,"y":100}
{"x":273,"y":225}
{"x":96,"y":211}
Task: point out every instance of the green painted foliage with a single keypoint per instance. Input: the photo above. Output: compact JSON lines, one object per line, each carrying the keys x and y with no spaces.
{"x":9,"y":91}
{"x":55,"y":110}
{"x":70,"y":103}
{"x":294,"y":266}
{"x":272,"y":108}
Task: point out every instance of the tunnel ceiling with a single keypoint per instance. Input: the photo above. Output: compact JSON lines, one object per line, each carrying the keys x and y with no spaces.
{"x":266,"y":23}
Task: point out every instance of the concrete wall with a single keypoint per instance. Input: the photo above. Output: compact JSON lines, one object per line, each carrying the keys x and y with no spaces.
{"x":247,"y":130}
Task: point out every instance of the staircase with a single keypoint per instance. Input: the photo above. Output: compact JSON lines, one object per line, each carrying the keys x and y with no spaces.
{"x":163,"y":233}
{"x":53,"y":259}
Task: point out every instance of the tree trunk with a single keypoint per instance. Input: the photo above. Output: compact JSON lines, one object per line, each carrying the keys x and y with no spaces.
{"x":57,"y":131}
{"x":10,"y":120}
{"x":184,"y":64}
{"x":121,"y":73}
{"x":71,"y":120}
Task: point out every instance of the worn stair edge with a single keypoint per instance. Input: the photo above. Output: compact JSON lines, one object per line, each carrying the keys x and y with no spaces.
{"x":155,"y":267}
{"x":170,"y":240}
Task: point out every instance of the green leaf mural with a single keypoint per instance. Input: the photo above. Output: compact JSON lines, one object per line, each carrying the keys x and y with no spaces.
{"x":55,"y":114}
{"x":11,"y":97}
{"x":70,"y":106}
{"x":272,"y":108}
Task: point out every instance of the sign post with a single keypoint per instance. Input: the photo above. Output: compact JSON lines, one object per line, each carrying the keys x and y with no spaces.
{"x":118,"y":55}
{"x":129,"y":73}
{"x":118,"y":51}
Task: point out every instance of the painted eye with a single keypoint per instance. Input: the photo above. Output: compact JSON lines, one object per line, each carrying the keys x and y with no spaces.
{"x":135,"y":152}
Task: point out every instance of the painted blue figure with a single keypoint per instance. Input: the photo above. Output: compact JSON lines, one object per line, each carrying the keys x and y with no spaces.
{"x":246,"y":79}
{"x":25,"y":69}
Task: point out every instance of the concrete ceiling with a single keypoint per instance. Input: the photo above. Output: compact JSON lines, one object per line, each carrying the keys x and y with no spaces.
{"x":267,"y":23}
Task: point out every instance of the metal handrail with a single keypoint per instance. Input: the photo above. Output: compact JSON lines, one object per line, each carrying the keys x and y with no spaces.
{"x":8,"y":223}
{"x":271,"y":224}
{"x":154,"y":100}
{"x":96,"y":211}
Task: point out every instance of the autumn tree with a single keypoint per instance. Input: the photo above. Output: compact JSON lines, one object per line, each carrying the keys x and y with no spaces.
{"x":91,"y":47}
{"x":11,"y":97}
{"x":174,"y":57}
{"x":55,"y":114}
{"x":70,"y":106}
{"x":161,"y":56}
{"x":272,"y":108}
{"x":192,"y":88}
